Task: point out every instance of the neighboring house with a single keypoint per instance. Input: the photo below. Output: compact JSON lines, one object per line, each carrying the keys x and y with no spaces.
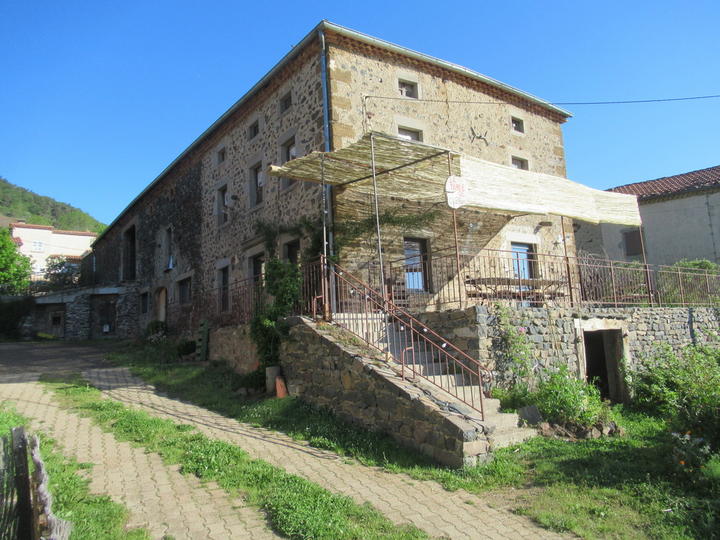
{"x":39,"y":242}
{"x":681,"y":220}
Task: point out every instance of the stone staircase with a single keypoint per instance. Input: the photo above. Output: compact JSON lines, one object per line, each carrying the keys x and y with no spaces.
{"x":502,"y":429}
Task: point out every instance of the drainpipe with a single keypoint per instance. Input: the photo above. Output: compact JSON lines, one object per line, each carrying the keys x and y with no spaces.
{"x":328,"y":207}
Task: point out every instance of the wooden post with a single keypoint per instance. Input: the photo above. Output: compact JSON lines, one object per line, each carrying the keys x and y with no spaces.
{"x":567,"y":260}
{"x":22,"y":484}
{"x":648,"y":282}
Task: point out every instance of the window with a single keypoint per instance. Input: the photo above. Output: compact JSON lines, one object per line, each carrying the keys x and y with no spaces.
{"x":221,"y":155}
{"x":129,"y":255}
{"x":519,"y":163}
{"x":408,"y":89}
{"x":144,"y":302}
{"x":185,"y":290}
{"x":416,"y":264}
{"x":254,"y":129}
{"x":224,"y":289}
{"x":288,"y":151}
{"x":257,"y":182}
{"x":518,"y":124}
{"x":633,"y":244}
{"x":169,"y":259}
{"x":285,"y":102}
{"x":37,"y":246}
{"x":410,"y":134}
{"x":256,"y":266}
{"x":292,"y":251}
{"x":222,"y":205}
{"x":523,"y":260}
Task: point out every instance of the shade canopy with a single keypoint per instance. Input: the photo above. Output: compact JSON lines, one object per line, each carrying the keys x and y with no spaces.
{"x":424,"y":173}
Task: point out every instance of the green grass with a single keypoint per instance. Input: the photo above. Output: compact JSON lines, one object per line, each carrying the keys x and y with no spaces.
{"x":93,"y":517}
{"x":621,"y":487}
{"x":295,"y":507}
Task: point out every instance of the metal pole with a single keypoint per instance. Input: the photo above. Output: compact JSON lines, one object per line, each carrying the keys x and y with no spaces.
{"x":647,"y":268}
{"x":377,"y":215}
{"x":567,"y":260}
{"x":457,"y":245}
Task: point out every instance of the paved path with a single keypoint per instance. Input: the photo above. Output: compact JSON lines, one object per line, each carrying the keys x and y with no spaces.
{"x":403,"y":500}
{"x":425,"y":504}
{"x":158,"y":496}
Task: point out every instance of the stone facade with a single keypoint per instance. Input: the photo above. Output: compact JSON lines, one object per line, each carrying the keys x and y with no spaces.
{"x":556,"y":334}
{"x":328,"y":368}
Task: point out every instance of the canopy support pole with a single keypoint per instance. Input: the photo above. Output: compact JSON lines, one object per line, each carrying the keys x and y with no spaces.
{"x":648,"y":281}
{"x":377,"y":215}
{"x":457,"y":245}
{"x":567,"y":260}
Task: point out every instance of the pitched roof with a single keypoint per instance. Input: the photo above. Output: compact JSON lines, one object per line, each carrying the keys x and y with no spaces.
{"x":673,"y":185}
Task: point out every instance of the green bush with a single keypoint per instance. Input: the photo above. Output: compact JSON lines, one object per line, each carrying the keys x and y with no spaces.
{"x":683,"y":387}
{"x":560,"y":397}
{"x":564,"y":399}
{"x":185,"y":347}
{"x":155,"y":328}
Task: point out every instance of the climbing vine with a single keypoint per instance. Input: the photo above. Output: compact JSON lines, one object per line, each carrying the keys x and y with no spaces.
{"x":282,"y":284}
{"x":515,"y":355}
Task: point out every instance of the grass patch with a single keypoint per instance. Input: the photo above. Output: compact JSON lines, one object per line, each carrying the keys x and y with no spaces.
{"x":295,"y":507}
{"x":92,"y":516}
{"x":610,"y":487}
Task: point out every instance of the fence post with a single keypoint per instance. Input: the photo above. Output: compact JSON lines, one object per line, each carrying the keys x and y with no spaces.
{"x":22,"y":484}
{"x":567,"y":261}
{"x":682,"y":292}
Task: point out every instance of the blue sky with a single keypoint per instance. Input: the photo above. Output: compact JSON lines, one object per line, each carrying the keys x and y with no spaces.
{"x":97,"y":97}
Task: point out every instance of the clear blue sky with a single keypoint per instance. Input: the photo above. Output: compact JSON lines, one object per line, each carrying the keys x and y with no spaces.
{"x":98,"y":97}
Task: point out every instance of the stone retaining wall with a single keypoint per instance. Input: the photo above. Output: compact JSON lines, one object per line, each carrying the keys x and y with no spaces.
{"x":328,"y":367}
{"x":556,"y":334}
{"x":234,"y":345}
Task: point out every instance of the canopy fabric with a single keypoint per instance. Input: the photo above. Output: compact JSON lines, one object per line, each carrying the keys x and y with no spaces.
{"x":493,"y":187}
{"x":423,"y":165}
{"x":424,"y":173}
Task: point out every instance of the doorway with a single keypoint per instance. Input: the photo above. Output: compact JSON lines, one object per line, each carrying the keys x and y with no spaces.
{"x":161,"y":304}
{"x":603,"y":355}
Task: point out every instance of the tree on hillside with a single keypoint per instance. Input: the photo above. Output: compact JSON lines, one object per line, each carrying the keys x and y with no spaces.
{"x":15,"y":268}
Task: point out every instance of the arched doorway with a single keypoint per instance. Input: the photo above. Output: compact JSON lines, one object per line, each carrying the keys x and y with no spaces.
{"x":161,"y":304}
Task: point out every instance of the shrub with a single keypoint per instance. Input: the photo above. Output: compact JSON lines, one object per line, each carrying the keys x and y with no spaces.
{"x":683,"y":387}
{"x":560,"y":398}
{"x":564,"y":399}
{"x":12,"y":313}
{"x":155,"y":328}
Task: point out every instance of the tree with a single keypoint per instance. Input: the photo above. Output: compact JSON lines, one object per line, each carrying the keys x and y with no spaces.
{"x":60,"y":273}
{"x":15,"y":268}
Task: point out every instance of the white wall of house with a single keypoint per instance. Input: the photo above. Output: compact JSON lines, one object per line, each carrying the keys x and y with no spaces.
{"x":40,"y":242}
{"x":674,"y":229}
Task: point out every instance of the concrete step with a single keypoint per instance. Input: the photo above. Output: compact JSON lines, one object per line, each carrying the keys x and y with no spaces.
{"x":509,"y":437}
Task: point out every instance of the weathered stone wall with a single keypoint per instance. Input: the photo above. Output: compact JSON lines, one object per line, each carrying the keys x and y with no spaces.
{"x":556,"y":334}
{"x":233,"y":345}
{"x":328,"y":368}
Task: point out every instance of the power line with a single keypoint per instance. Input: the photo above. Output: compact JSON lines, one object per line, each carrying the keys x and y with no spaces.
{"x":617,"y":102}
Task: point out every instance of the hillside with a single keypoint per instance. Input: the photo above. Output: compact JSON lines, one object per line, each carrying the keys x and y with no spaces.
{"x":20,"y":203}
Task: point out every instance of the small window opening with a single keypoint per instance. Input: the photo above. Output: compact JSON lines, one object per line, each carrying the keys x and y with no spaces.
{"x":129,"y":255}
{"x":257,"y":183}
{"x":169,"y":258}
{"x":224,"y":289}
{"x":408,"y":89}
{"x":518,"y":125}
{"x":254,"y":129}
{"x":416,"y":264}
{"x":288,"y":152}
{"x":257,"y":267}
{"x":286,"y":102}
{"x":223,"y":205}
{"x":144,"y":302}
{"x":185,"y":290}
{"x":292,"y":251}
{"x":221,"y":155}
{"x":410,"y":134}
{"x":633,"y":245}
{"x":519,"y":163}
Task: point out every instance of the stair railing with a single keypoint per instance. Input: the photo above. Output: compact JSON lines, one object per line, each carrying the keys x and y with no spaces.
{"x":370,"y":316}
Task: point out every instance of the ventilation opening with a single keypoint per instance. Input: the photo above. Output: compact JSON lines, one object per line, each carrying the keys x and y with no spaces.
{"x":603,"y":354}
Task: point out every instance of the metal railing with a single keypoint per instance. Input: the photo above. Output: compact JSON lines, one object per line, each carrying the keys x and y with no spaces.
{"x":369,"y":315}
{"x":434,"y":281}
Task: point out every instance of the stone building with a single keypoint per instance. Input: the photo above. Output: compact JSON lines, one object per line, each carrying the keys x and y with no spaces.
{"x":198,"y":226}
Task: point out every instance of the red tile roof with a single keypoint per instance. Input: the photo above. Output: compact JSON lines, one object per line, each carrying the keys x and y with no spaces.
{"x":671,"y":185}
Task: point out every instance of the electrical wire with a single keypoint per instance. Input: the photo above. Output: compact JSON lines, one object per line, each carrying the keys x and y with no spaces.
{"x":618,"y":102}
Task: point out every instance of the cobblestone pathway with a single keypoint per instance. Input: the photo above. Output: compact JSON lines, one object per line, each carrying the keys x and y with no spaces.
{"x":158,"y":496}
{"x":425,"y":504}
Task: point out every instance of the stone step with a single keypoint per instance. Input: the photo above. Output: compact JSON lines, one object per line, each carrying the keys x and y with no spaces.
{"x":509,"y":437}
